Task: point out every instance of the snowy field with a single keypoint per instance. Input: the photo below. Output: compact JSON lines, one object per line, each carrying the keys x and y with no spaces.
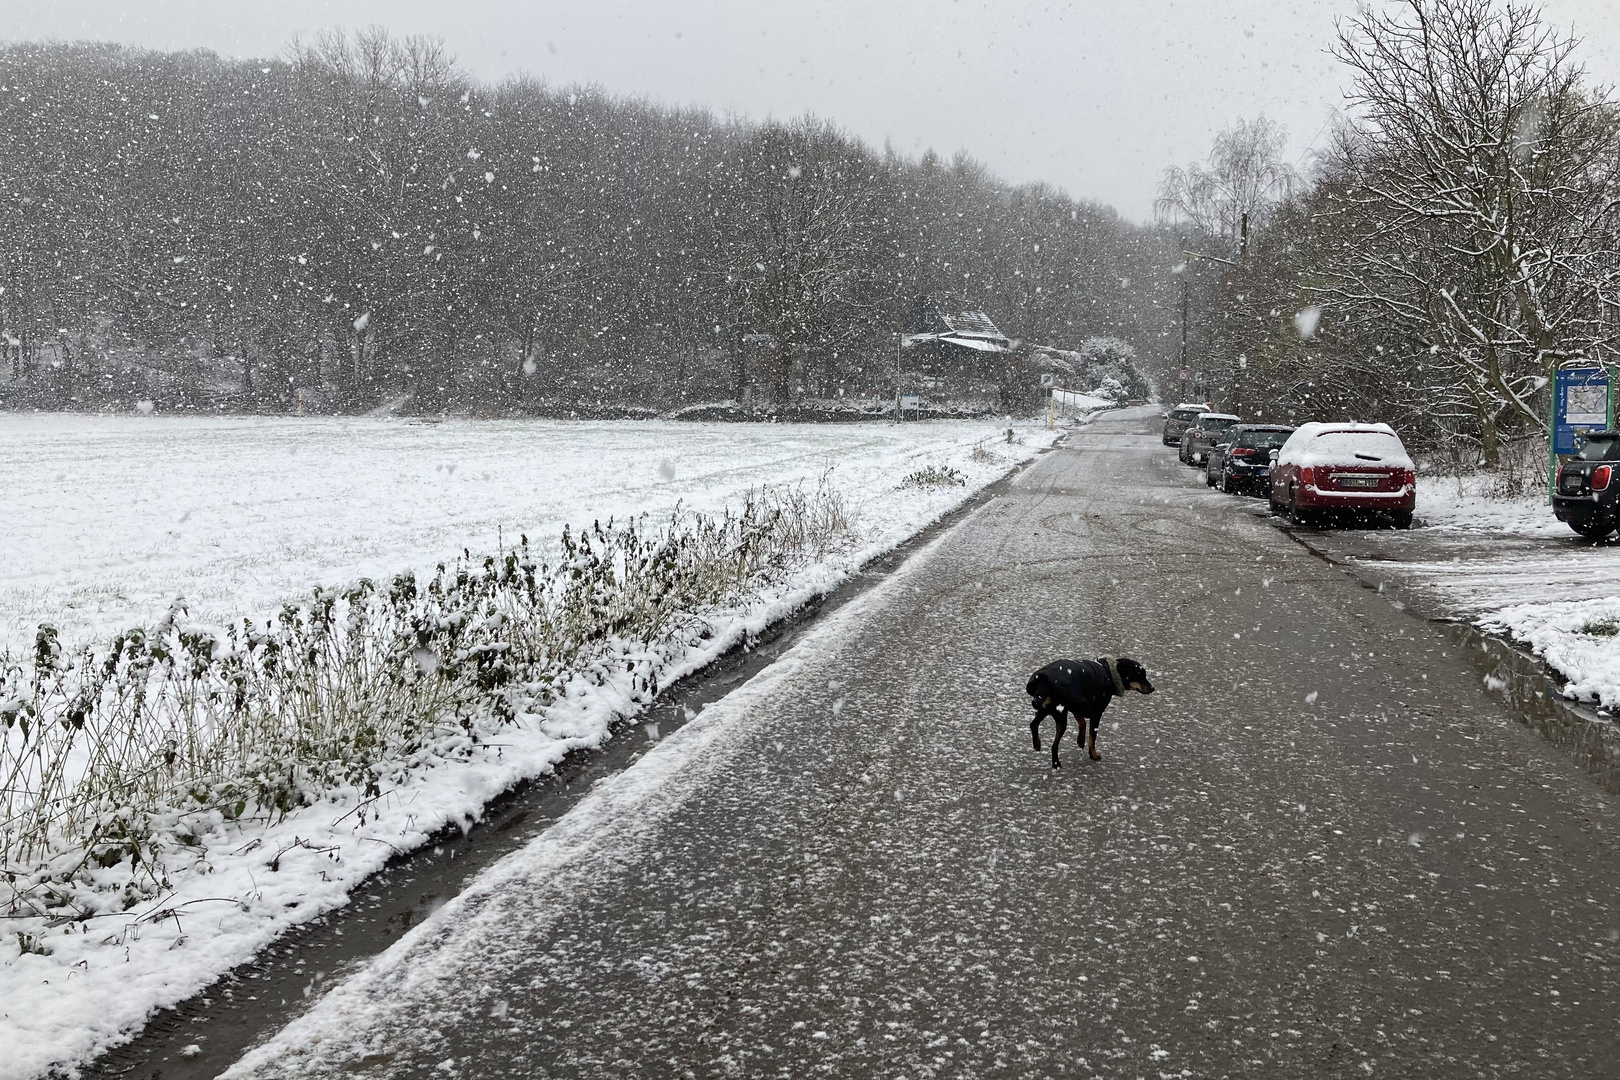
{"x":1511,"y":566}
{"x":114,"y":517}
{"x":108,"y":519}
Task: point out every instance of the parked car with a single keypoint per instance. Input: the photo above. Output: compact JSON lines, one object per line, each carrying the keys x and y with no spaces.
{"x":1241,"y":464}
{"x":1586,"y":495}
{"x":1335,"y":468}
{"x":1203,"y":434}
{"x":1178,"y":419}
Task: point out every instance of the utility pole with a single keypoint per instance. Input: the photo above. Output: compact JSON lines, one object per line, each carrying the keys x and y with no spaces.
{"x":1180,"y":270}
{"x":899,"y":364}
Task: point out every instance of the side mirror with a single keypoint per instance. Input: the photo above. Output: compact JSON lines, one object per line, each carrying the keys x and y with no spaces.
{"x":1273,"y":455}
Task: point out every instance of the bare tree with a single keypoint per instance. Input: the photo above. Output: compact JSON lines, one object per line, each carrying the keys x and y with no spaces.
{"x":1246,"y":177}
{"x":1475,"y":200}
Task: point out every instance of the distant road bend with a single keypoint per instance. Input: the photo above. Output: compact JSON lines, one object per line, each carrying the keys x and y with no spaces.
{"x":1319,"y":850}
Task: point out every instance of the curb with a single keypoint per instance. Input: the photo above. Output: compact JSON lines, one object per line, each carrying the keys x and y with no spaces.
{"x":1524,"y":682}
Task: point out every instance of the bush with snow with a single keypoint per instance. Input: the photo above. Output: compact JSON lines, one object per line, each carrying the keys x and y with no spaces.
{"x":116,"y":756}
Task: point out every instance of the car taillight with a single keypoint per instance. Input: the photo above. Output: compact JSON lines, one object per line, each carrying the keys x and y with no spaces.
{"x":1307,"y":475}
{"x":1600,"y":477}
{"x":1410,"y":478}
{"x":1240,"y":451}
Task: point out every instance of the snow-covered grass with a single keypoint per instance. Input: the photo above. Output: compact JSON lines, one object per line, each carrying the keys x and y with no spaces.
{"x":1580,"y":638}
{"x":1516,"y":569}
{"x":1468,"y":503}
{"x":106,"y":519}
{"x":376,"y":498}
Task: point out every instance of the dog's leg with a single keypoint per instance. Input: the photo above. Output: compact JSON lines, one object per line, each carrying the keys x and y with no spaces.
{"x":1035,"y":728}
{"x":1062,"y":719}
{"x":1091,"y":737}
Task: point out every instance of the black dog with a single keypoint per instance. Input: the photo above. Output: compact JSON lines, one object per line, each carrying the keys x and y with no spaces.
{"x":1083,"y":688}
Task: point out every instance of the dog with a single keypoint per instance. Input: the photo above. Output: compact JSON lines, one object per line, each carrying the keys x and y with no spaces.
{"x":1082,"y":688}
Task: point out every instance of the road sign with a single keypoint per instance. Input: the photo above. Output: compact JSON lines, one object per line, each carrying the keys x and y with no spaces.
{"x":911,"y":401}
{"x":1046,"y":379}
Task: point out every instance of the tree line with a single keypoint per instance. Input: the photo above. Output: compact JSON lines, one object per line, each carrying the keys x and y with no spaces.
{"x":359,"y":220}
{"x":1455,"y":241}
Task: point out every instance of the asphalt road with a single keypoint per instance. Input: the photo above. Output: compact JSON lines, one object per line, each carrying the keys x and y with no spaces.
{"x":1320,"y":849}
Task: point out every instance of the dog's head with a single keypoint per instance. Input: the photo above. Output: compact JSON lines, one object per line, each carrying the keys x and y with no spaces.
{"x":1133,"y":675}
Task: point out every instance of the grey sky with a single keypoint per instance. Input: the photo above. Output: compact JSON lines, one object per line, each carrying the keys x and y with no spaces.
{"x":1094,"y":96}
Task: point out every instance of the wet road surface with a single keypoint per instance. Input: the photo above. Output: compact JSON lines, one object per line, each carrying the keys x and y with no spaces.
{"x":1319,"y":849}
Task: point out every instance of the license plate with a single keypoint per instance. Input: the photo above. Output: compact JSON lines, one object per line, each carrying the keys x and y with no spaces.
{"x":1572,"y":483}
{"x":1358,"y":481}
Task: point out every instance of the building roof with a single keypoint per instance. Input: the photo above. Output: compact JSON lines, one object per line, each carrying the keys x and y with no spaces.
{"x":956,"y":324}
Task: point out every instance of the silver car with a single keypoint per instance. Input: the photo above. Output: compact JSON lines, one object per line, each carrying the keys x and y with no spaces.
{"x":1177,"y":420}
{"x":1204,"y":433}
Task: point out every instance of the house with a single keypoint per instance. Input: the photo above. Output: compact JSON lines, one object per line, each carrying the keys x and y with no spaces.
{"x":955,"y":344}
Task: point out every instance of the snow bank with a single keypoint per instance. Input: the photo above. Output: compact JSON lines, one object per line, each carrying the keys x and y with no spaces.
{"x":1072,"y":399}
{"x":1580,"y":638}
{"x":1464,"y":503}
{"x":1525,"y":574}
{"x":71,"y":990}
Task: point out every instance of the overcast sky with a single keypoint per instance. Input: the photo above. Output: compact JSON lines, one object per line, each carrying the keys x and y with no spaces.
{"x":1094,"y":96}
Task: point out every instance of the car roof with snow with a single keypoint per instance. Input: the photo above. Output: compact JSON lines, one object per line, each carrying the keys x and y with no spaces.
{"x":1302,"y":447}
{"x":1218,"y":416}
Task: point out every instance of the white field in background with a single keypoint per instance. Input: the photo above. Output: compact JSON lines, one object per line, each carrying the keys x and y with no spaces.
{"x":107,"y":519}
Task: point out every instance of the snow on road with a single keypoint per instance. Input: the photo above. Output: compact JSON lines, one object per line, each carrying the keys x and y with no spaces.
{"x":116,"y":516}
{"x":108,"y":519}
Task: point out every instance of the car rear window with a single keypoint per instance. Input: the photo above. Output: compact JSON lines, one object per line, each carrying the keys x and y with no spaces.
{"x":1600,"y":450}
{"x":1217,"y":425}
{"x":1184,"y":414}
{"x":1263,"y":440}
{"x":1373,"y":447}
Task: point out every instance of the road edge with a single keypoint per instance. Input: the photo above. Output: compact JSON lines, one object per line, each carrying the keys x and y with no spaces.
{"x":161,"y":1044}
{"x":1527,"y":684}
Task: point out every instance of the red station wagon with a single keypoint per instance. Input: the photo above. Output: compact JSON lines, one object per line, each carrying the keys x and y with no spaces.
{"x":1360,"y":468}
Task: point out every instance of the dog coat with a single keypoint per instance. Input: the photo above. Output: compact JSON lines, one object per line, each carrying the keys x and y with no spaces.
{"x":1083,"y":687}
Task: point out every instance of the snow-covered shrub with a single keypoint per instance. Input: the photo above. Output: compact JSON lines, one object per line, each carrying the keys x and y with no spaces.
{"x":935,"y":476}
{"x":117,"y":755}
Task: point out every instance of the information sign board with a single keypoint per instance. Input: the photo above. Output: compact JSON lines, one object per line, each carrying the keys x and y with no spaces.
{"x":1580,"y":404}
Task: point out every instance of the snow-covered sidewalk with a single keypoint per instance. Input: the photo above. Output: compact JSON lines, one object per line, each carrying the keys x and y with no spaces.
{"x":1516,"y":569}
{"x":1508,"y":566}
{"x":376,"y":498}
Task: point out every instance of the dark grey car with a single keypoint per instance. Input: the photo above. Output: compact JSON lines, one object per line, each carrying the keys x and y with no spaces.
{"x":1241,"y":463}
{"x":1586,"y":495}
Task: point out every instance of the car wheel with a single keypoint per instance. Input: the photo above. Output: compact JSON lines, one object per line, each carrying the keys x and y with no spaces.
{"x":1209,"y":481}
{"x":1595,"y":528}
{"x":1401,"y":519}
{"x":1299,"y":517}
{"x":1226,"y":482}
